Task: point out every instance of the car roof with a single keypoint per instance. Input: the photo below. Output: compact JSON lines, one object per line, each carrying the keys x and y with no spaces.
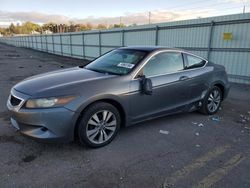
{"x":149,"y":48}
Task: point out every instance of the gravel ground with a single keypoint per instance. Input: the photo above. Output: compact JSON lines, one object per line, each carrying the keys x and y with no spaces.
{"x":184,"y":150}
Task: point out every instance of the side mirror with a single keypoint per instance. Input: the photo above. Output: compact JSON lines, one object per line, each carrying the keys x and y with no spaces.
{"x":146,"y":86}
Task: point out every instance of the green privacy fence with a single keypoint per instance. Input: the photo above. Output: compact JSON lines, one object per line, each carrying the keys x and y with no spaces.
{"x":224,"y":40}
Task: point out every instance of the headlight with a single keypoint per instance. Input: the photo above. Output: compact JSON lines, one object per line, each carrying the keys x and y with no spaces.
{"x":49,"y":102}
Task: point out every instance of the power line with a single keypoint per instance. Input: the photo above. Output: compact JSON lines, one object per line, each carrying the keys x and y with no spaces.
{"x":206,"y":7}
{"x":231,"y":9}
{"x":186,"y":5}
{"x":226,"y":8}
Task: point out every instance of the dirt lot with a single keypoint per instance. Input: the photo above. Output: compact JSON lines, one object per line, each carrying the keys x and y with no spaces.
{"x":185,"y":150}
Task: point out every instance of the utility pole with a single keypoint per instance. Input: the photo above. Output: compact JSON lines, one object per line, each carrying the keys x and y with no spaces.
{"x":244,"y":6}
{"x":149,"y":17}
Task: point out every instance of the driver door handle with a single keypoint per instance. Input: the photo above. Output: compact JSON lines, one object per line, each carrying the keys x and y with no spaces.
{"x":182,"y":78}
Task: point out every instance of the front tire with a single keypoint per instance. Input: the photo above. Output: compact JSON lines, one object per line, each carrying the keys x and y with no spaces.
{"x":212,"y":101}
{"x":99,"y":125}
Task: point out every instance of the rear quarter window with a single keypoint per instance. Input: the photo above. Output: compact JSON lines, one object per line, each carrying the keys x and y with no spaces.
{"x":194,"y":62}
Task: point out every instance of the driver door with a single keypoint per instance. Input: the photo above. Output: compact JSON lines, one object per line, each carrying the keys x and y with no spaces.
{"x":170,"y":88}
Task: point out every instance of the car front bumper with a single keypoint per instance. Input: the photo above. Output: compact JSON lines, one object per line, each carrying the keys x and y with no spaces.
{"x":51,"y":124}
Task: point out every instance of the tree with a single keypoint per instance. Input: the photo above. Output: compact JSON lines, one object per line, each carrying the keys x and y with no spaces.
{"x":82,"y":27}
{"x":12,"y":28}
{"x":49,"y":26}
{"x":89,"y":26}
{"x":119,"y":25}
{"x":29,"y":26}
{"x":3,"y":31}
{"x":101,"y":26}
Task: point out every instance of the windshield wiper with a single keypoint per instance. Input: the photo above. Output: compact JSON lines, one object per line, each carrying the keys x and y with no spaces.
{"x":103,"y":72}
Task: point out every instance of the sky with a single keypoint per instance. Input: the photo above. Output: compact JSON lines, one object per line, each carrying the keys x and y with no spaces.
{"x":112,"y":11}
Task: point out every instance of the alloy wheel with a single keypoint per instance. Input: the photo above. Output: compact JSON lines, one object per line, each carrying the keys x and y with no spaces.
{"x":214,"y":101}
{"x":101,"y":126}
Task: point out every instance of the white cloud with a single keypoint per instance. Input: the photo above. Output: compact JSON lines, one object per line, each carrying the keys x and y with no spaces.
{"x":19,"y":17}
{"x":157,"y":16}
{"x":237,"y":1}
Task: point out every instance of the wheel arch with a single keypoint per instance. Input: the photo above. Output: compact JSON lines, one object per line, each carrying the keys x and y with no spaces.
{"x":221,"y":86}
{"x":111,"y":101}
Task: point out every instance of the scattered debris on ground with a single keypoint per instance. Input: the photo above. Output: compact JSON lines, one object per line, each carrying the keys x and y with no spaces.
{"x":163,"y":132}
{"x":12,"y":55}
{"x":243,"y":119}
{"x":216,"y":118}
{"x":200,"y":125}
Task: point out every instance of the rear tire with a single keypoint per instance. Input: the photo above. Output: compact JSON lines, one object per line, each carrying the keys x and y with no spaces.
{"x":99,"y":125}
{"x":212,"y":101}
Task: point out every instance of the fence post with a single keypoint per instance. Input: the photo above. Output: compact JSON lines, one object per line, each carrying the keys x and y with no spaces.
{"x":210,"y":39}
{"x":123,"y":42}
{"x":156,"y":35}
{"x":100,"y":44}
{"x":83,"y":46}
{"x":36,"y":43}
{"x":61,"y":44}
{"x":70,"y":43}
{"x":53,"y":43}
{"x":46,"y":40}
{"x":41,"y":39}
{"x":28,"y":41}
{"x":32,"y":42}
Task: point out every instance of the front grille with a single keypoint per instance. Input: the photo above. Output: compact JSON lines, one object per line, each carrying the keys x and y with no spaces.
{"x":14,"y":101}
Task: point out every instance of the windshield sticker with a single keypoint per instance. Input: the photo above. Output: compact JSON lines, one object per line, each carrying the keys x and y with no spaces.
{"x":126,"y":65}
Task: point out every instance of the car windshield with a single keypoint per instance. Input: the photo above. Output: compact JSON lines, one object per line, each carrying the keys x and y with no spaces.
{"x":118,"y":62}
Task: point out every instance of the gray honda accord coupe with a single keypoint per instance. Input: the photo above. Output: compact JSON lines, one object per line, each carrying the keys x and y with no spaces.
{"x":122,"y":87}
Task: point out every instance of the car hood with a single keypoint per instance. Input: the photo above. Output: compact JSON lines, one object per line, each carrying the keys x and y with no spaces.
{"x":57,"y":81}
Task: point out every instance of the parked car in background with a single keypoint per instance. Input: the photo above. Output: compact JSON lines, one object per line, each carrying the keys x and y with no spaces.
{"x":123,"y":87}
